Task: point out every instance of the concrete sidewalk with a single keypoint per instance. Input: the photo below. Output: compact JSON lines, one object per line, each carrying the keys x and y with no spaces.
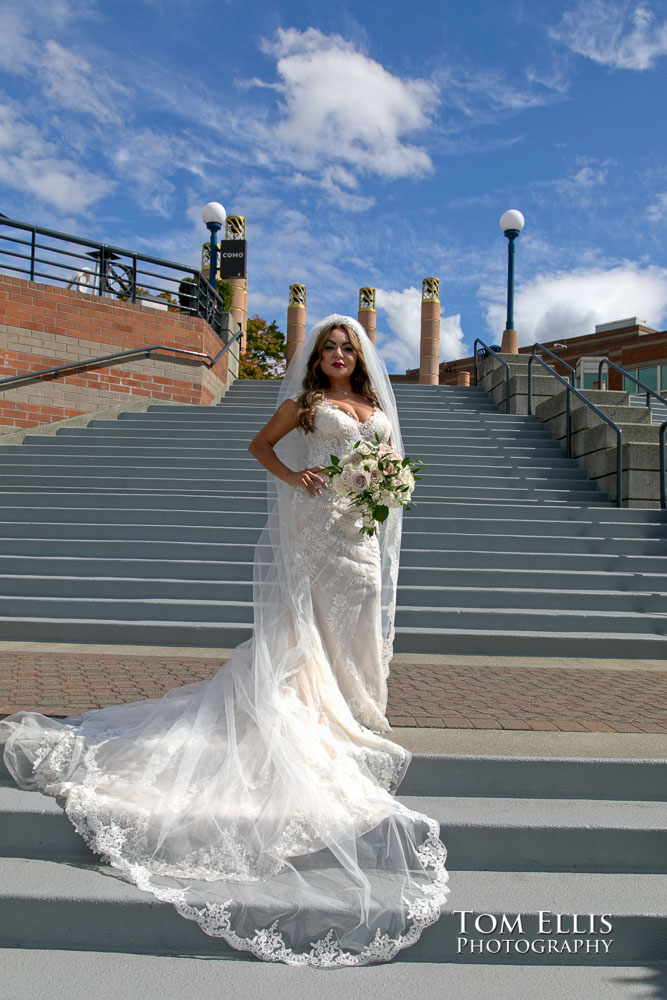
{"x":437,"y":704}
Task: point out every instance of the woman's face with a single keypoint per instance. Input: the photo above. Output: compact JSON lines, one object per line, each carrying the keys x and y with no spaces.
{"x":339,"y":357}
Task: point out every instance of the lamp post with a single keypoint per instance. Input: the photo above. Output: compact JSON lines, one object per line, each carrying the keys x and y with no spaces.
{"x":214,"y":216}
{"x":511,"y":223}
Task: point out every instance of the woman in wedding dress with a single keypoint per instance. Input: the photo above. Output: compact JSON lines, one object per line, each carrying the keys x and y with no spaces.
{"x":261,"y":803}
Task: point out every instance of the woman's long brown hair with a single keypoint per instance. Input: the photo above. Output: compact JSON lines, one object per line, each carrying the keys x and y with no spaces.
{"x":315,"y":382}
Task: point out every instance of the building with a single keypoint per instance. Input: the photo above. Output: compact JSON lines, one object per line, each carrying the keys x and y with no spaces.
{"x":631,"y":344}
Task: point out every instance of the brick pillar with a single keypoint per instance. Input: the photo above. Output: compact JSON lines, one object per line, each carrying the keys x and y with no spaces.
{"x":296,"y":318}
{"x":429,"y":352}
{"x":367,"y":315}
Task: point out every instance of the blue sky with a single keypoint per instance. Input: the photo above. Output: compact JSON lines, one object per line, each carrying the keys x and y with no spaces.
{"x":366,"y":144}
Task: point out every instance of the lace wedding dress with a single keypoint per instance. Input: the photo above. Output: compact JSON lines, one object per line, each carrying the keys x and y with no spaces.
{"x":260,"y":803}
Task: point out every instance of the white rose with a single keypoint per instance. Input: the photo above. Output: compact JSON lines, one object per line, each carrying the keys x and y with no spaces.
{"x":341,"y":488}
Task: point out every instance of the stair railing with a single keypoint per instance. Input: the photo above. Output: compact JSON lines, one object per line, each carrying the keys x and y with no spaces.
{"x":571,"y":390}
{"x":104,"y":270}
{"x":645,"y":388}
{"x":649,"y":392}
{"x":508,"y":370}
{"x":560,"y":361}
{"x":109,"y":358}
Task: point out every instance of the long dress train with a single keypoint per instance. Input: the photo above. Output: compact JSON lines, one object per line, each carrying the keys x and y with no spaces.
{"x":260,"y":803}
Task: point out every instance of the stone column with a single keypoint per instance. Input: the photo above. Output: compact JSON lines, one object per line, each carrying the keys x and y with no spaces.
{"x":429,"y":352}
{"x":367,"y":315}
{"x":296,"y":318}
{"x":235,"y":230}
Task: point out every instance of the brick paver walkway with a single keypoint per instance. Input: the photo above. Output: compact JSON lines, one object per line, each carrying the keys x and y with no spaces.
{"x":438,"y":695}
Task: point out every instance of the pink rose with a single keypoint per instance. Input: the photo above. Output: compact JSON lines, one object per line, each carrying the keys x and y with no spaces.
{"x":359,"y":481}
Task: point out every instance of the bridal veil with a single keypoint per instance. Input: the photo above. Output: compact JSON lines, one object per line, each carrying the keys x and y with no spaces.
{"x":254,"y":802}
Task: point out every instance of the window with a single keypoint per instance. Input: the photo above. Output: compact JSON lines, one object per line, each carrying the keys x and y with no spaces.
{"x":649,"y":377}
{"x":628,"y":384}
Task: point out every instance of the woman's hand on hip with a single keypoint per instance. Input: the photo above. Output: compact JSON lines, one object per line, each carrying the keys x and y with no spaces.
{"x":309,"y":480}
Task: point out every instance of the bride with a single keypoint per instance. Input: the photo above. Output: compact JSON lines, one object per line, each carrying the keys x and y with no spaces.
{"x":261,"y":803}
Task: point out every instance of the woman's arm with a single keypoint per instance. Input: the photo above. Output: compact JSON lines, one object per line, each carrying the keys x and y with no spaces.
{"x":261,"y":447}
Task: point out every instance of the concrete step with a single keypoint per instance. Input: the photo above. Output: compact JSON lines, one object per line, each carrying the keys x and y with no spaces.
{"x":232,"y":591}
{"x":482,"y":833}
{"x":443,"y":521}
{"x":512,"y":640}
{"x":588,"y":621}
{"x":53,"y":903}
{"x":516,"y":642}
{"x":511,"y":490}
{"x":133,"y":453}
{"x":236,"y":468}
{"x":553,"y":560}
{"x":414,"y":535}
{"x":171,"y":501}
{"x":448,"y":553}
{"x":582,"y":601}
{"x":232,"y":613}
{"x":62,"y":974}
{"x":68,"y":575}
{"x":77,"y":461}
{"x":431,"y":774}
{"x":526,"y":578}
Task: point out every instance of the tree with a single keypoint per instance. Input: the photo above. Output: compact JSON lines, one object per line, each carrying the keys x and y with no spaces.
{"x":187,"y":294}
{"x":264,"y":356}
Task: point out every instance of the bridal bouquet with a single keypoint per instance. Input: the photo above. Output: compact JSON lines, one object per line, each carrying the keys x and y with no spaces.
{"x":373,"y":478}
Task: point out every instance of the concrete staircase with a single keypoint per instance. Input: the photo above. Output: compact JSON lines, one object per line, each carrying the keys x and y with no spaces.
{"x":657,"y":410}
{"x":594,"y":442}
{"x":141,"y":530}
{"x":523,"y":834}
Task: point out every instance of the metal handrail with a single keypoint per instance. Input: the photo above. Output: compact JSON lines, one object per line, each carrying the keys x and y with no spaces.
{"x":646,"y":388}
{"x":107,"y":358}
{"x":204,"y":298}
{"x":649,"y":392}
{"x":560,"y":361}
{"x":508,"y":370}
{"x":663,"y":498}
{"x":570,"y":388}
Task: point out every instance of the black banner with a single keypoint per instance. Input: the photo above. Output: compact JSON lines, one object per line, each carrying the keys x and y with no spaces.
{"x":232,"y":259}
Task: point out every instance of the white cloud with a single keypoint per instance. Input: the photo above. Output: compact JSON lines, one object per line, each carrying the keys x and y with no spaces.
{"x":481,"y":93}
{"x":657,"y":211}
{"x":621,"y":35}
{"x":340,"y":106}
{"x":31,"y":164}
{"x":569,"y":304}
{"x":403,"y":311}
{"x":70,"y":81}
{"x":17,"y":50}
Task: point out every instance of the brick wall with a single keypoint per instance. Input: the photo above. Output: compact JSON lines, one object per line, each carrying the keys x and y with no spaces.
{"x":42,"y":326}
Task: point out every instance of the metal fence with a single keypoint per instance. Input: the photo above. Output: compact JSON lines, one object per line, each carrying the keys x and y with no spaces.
{"x":107,"y":271}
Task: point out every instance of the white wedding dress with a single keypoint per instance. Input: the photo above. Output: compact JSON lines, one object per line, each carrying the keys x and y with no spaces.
{"x":260,"y":802}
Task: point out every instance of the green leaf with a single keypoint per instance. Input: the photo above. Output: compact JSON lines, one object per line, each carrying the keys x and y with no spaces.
{"x":380,"y":513}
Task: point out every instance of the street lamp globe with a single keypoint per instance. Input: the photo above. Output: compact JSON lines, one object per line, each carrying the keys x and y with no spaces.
{"x":214,"y":212}
{"x":214,"y":216}
{"x":512,"y":220}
